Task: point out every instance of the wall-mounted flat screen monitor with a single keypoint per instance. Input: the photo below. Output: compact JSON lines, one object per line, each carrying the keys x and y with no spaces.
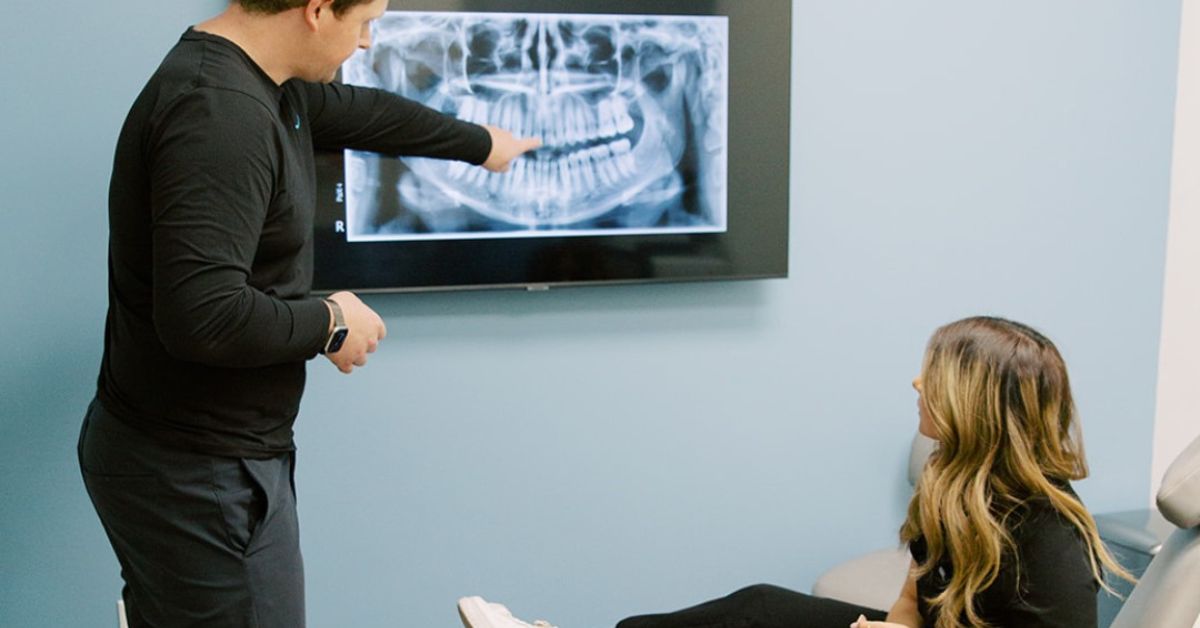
{"x":665,"y":147}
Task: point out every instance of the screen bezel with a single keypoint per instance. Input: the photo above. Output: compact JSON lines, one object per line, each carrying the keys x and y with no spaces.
{"x":754,"y":245}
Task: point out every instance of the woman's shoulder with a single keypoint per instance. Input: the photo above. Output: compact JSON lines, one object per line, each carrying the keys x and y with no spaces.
{"x":1036,"y":515}
{"x":1047,"y":545}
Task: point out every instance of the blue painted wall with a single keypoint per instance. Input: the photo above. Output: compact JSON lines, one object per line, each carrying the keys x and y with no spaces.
{"x":590,"y":453}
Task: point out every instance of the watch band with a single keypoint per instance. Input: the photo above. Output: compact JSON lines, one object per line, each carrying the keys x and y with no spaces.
{"x":337,"y":335}
{"x":338,"y":320}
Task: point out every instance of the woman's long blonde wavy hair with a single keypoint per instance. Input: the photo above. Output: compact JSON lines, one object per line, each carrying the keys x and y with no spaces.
{"x":997,"y":395}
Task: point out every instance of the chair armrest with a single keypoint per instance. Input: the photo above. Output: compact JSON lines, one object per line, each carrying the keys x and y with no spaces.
{"x":1142,"y":531}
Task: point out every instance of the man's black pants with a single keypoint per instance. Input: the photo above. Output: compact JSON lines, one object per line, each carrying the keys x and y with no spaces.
{"x":761,"y":606}
{"x":202,"y":540}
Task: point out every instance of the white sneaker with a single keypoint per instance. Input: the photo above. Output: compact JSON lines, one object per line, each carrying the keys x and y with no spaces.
{"x":477,"y":612}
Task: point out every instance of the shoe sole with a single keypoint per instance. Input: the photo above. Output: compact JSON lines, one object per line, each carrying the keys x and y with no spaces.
{"x":471,"y":610}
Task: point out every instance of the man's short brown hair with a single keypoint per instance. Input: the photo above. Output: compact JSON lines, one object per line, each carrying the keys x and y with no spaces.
{"x":270,"y":7}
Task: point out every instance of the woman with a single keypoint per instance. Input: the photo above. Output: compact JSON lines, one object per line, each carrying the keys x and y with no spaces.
{"x":997,"y":535}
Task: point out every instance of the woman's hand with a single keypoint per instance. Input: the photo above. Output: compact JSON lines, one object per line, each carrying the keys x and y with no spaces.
{"x":862,"y":622}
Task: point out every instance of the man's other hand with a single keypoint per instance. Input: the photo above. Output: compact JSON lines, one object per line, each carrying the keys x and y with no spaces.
{"x":506,"y":147}
{"x":366,"y":331}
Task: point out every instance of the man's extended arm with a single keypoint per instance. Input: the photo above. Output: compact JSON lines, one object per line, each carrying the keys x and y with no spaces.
{"x":363,"y":118}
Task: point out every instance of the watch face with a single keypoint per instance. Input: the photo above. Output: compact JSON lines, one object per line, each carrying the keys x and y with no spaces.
{"x":337,"y":339}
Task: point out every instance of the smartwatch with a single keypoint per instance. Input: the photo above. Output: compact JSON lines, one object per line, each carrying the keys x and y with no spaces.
{"x":340,"y":331}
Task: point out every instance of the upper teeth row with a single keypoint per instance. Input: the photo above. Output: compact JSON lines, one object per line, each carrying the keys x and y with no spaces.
{"x":567,"y":122}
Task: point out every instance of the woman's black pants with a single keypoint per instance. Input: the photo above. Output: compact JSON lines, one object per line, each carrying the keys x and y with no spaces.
{"x":760,"y":606}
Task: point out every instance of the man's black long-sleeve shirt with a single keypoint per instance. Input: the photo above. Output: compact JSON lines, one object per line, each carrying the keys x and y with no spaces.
{"x":210,"y":241}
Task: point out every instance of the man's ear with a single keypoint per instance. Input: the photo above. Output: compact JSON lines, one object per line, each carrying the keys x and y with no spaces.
{"x":314,"y":11}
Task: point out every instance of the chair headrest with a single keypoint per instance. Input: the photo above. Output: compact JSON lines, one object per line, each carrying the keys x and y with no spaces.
{"x":1179,"y":497}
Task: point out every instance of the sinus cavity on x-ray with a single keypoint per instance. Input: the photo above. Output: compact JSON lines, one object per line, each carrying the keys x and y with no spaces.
{"x":632,"y":111}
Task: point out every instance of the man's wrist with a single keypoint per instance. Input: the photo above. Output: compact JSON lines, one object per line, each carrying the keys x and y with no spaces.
{"x":332,"y":319}
{"x":337,"y":329}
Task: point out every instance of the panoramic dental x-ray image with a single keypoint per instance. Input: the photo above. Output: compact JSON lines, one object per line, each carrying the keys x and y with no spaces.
{"x":632,"y":111}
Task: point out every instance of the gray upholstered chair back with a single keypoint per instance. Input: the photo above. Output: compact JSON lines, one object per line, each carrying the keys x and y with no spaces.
{"x":919,"y":452}
{"x":1168,"y":595}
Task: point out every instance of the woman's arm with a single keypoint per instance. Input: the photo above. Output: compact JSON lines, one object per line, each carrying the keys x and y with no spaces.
{"x":904,"y":611}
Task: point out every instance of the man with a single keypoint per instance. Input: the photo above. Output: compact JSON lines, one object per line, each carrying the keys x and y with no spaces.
{"x":187,"y":451}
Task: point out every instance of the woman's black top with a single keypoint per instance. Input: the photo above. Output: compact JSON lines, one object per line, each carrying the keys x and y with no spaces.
{"x":1048,"y":583}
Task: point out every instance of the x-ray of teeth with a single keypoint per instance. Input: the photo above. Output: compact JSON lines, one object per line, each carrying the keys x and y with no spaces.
{"x":631,"y":109}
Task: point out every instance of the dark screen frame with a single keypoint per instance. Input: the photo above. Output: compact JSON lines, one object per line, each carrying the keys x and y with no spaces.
{"x":755,"y":245}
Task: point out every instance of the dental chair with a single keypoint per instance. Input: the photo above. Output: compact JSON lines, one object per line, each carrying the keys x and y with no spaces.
{"x":1162,"y":550}
{"x":1168,"y":594}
